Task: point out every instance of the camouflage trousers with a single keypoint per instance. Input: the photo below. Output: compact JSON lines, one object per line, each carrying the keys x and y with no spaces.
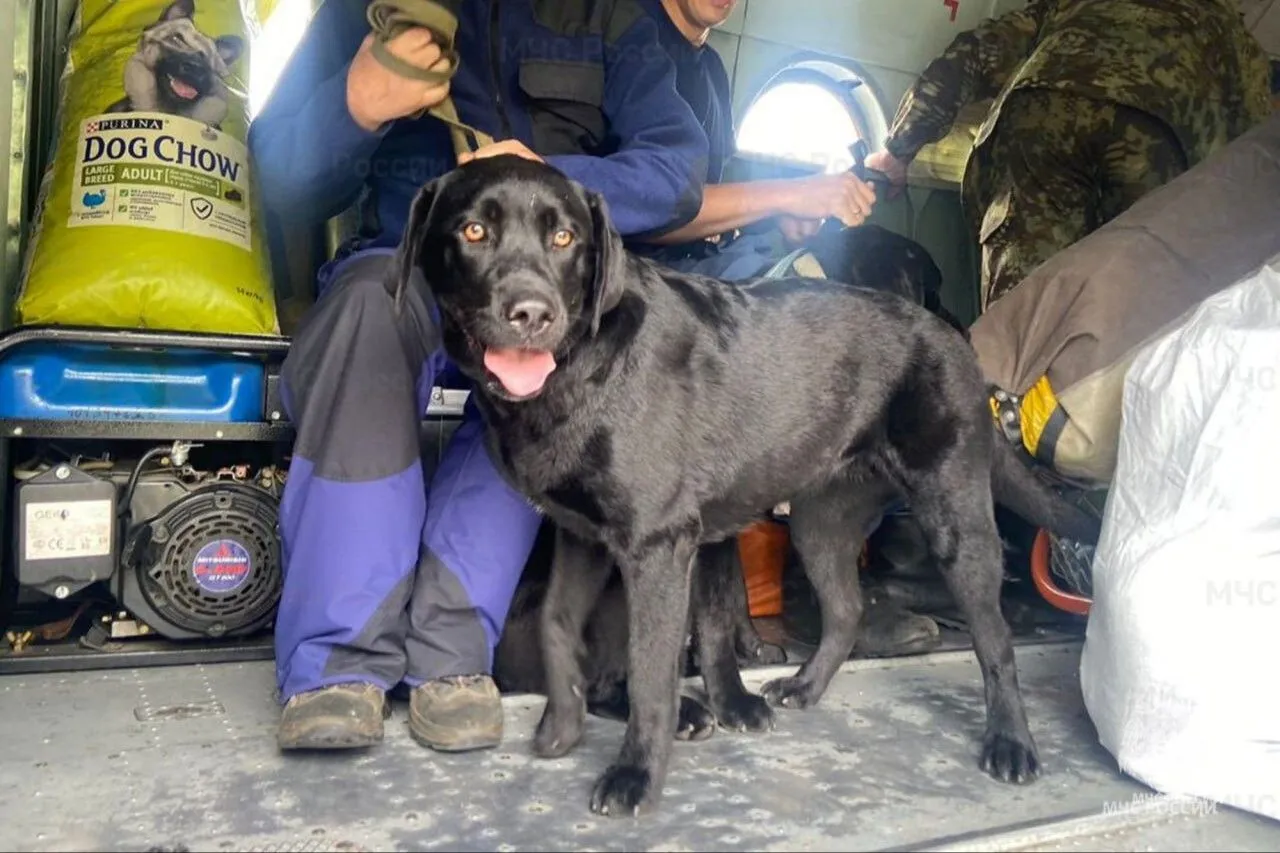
{"x":1055,"y":168}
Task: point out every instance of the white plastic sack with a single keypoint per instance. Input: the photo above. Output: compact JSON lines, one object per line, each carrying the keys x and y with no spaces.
{"x":1181,"y":663}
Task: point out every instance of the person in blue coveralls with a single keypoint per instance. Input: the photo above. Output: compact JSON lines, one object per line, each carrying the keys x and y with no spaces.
{"x":390,"y":581}
{"x":797,"y":206}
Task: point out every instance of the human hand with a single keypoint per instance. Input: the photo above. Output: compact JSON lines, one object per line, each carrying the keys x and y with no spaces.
{"x":377,"y":95}
{"x":842,"y":196}
{"x":506,"y":146}
{"x":893,"y":168}
{"x":797,"y":231}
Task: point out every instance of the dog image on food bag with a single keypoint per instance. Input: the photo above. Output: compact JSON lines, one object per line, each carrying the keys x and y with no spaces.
{"x":179,"y":70}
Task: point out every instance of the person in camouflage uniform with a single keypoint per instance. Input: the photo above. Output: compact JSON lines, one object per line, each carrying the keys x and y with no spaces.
{"x":1096,"y":102}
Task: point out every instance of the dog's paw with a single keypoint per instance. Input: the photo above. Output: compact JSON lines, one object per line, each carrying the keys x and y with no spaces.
{"x":795,"y":694}
{"x":764,"y":654}
{"x":1007,"y":758}
{"x":559,"y":731}
{"x":623,"y":791}
{"x":695,"y":721}
{"x":746,"y":713}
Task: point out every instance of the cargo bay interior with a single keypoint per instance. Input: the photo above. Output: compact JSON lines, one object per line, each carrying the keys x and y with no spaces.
{"x":803,"y":95}
{"x":142,"y":675}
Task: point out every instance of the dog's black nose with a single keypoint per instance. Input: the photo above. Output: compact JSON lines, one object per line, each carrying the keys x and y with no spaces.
{"x":530,"y":315}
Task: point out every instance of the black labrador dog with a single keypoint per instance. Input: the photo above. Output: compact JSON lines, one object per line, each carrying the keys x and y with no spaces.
{"x":874,"y":257}
{"x":609,"y":385}
{"x":867,"y":256}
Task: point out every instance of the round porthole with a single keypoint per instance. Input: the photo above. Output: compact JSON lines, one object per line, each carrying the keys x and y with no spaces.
{"x":811,"y":113}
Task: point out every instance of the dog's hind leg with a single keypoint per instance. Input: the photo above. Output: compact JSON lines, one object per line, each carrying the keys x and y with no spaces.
{"x":579,"y":573}
{"x":958,"y":517}
{"x":658,"y":581}
{"x":694,"y":721}
{"x":828,"y":527}
{"x":714,"y":611}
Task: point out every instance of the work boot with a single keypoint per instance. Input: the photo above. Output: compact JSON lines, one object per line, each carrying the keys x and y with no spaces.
{"x":890,"y":630}
{"x":457,"y":713}
{"x":342,"y":716}
{"x":887,"y":630}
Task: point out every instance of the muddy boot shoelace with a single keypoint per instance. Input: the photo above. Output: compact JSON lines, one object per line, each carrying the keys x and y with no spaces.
{"x":390,"y":18}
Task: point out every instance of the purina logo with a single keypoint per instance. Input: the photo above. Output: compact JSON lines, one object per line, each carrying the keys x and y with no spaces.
{"x":103,"y":125}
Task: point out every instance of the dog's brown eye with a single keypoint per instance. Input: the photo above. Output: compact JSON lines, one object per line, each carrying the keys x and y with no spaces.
{"x":562,"y":239}
{"x":474,"y":232}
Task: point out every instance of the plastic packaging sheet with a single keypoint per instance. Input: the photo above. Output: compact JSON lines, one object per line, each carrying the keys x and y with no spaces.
{"x":1181,"y":664}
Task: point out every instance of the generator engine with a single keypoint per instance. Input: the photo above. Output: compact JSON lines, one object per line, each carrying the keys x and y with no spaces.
{"x":189,"y":553}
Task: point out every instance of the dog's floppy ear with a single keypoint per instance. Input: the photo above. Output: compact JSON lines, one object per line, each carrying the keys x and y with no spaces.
{"x":179,"y":9}
{"x":610,"y":261}
{"x":411,"y":241}
{"x":229,"y":48}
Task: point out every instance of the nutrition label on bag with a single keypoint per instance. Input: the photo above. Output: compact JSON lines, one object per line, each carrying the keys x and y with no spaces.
{"x":150,"y":170}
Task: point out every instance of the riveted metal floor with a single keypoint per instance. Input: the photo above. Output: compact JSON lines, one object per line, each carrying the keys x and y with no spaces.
{"x":184,"y":758}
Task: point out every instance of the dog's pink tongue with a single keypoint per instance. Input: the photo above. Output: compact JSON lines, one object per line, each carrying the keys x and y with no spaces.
{"x":521,"y":371}
{"x":182,"y":90}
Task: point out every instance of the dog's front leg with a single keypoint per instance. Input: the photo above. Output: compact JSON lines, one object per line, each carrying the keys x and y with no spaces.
{"x":579,"y":574}
{"x":657,"y":583}
{"x":717,"y":575}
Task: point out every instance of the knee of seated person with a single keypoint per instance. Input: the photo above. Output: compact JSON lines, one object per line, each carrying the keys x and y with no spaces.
{"x":357,"y":310}
{"x":363,"y":293}
{"x":362,"y":273}
{"x":365,"y":283}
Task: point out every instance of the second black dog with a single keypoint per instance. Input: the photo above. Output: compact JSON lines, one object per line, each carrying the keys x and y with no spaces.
{"x":518,"y":659}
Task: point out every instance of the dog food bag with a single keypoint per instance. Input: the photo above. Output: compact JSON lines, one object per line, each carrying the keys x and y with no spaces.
{"x":146,"y":215}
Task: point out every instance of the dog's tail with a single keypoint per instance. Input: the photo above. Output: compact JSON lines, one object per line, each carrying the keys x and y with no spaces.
{"x":1017,"y":487}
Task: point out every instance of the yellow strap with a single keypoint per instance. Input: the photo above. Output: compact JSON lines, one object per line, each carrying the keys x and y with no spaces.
{"x":390,"y":18}
{"x":1036,"y":410}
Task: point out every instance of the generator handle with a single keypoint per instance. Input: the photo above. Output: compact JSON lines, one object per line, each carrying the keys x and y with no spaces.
{"x":262,"y":345}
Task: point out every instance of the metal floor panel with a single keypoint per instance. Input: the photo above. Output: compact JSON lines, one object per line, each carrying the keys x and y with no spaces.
{"x":180,"y":758}
{"x":1167,"y":824}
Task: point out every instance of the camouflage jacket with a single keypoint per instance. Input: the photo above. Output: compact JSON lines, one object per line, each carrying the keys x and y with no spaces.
{"x":1190,"y":63}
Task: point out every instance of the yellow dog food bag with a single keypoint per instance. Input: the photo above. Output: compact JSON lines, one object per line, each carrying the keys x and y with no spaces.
{"x":147,"y":216}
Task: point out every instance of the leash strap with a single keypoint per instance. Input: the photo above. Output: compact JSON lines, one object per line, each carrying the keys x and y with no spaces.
{"x":388,"y":19}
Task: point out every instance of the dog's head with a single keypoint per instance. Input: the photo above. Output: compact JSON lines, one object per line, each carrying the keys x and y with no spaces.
{"x":522,"y":261}
{"x":875,"y":257}
{"x":188,"y":64}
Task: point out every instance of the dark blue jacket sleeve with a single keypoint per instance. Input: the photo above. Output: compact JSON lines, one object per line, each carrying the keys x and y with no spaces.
{"x":653,"y":182}
{"x":307,"y":150}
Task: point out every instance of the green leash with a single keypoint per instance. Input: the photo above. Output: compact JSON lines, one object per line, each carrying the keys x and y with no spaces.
{"x":390,"y":18}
